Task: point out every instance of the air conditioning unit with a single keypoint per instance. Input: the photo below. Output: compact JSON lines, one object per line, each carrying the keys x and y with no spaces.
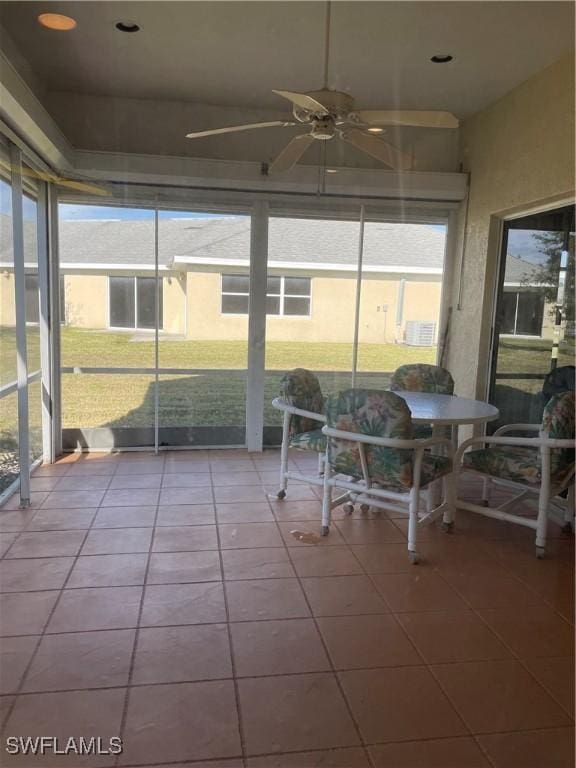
{"x":420,"y":333}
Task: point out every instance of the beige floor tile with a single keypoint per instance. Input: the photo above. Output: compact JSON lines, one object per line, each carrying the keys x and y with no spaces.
{"x":383,"y":558}
{"x":294,"y":511}
{"x":25,"y":613}
{"x":448,"y":636}
{"x":36,"y":500}
{"x":15,"y":654}
{"x":183,"y":465}
{"x":249,"y":535}
{"x":186,"y":721}
{"x":495,"y":696}
{"x":168,"y":604}
{"x":186,"y":514}
{"x":295,"y":492}
{"x":6,"y":541}
{"x":287,"y":530}
{"x":15,"y":520}
{"x":440,"y":753}
{"x":34,"y":574}
{"x":117,"y":541}
{"x":222,"y":465}
{"x":181,"y":567}
{"x":419,"y":590}
{"x":550,"y":748}
{"x":184,"y":653}
{"x":122,"y":482}
{"x":61,"y":519}
{"x":343,"y":595}
{"x":108,"y":571}
{"x":532,"y":632}
{"x":277,"y":648}
{"x":131,"y":497}
{"x":244,"y":512}
{"x":47,"y":544}
{"x":43,"y":483}
{"x":187,"y":480}
{"x":72,"y":499}
{"x":235,"y":479}
{"x":348,"y":757}
{"x":81,"y":660}
{"x":244,"y":493}
{"x":188,"y":538}
{"x":557,"y":676}
{"x":61,"y":715}
{"x":400,"y":704}
{"x":177,"y":496}
{"x":356,"y":642}
{"x":490,"y":587}
{"x":325,"y":561}
{"x":125,"y":517}
{"x":295,"y":712}
{"x":260,"y":563}
{"x":96,"y":608}
{"x":265,"y":599}
{"x":369,"y":531}
{"x":140,"y":467}
{"x":84,"y":482}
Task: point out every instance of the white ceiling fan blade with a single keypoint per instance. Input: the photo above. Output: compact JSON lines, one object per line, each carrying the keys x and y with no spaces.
{"x":408,"y":117}
{"x":235,"y":128}
{"x":379,"y":149}
{"x":291,"y":153}
{"x":303,"y":101}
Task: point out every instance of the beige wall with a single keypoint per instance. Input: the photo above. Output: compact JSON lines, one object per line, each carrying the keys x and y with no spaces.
{"x":519,"y":151}
{"x":332,"y":310}
{"x":7,"y":304}
{"x":86,"y":298}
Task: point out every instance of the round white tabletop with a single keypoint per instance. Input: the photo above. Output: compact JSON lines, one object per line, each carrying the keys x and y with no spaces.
{"x":447,"y":409}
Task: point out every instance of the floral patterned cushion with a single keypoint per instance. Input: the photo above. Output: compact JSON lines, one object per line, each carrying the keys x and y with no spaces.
{"x":309,"y":441}
{"x":382,"y":414}
{"x":420,"y":377}
{"x":523,"y":464}
{"x":301,"y":389}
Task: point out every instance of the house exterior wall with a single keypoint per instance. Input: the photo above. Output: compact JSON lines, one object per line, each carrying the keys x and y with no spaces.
{"x":519,"y":151}
{"x":7,"y":302}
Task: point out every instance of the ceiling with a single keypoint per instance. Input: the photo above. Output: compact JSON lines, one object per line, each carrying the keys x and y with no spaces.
{"x":234,"y":53}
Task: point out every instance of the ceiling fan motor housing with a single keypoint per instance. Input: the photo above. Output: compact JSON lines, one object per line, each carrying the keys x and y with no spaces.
{"x":323,"y":128}
{"x":338,"y":104}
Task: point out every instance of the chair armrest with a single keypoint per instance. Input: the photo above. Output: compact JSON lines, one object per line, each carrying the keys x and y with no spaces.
{"x":526,"y":442}
{"x":282,"y":405}
{"x":517,"y":428}
{"x":389,"y":442}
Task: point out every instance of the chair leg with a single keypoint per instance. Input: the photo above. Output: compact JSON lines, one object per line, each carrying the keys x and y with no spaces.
{"x":542,"y":520}
{"x":570,"y":511}
{"x":486,"y":491}
{"x":413,"y":525}
{"x":450,"y":502}
{"x":320,"y":464}
{"x":284,"y":457}
{"x":326,"y":498}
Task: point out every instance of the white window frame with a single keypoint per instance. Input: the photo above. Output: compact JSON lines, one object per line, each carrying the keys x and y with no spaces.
{"x":134,"y":327}
{"x":282,"y":296}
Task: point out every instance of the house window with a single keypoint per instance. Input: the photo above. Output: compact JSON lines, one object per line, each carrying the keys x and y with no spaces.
{"x":284,"y":295}
{"x":132,"y":303}
{"x":522,"y":313}
{"x":33,"y":299}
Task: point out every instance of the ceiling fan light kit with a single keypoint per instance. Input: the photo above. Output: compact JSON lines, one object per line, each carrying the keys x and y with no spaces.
{"x":330,"y":113}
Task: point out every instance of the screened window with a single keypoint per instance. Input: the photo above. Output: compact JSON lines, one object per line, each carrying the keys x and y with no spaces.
{"x":522,"y":313}
{"x":32,"y":299}
{"x":132,"y":303}
{"x":284,"y":295}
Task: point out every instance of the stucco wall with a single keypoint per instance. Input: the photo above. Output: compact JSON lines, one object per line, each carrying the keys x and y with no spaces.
{"x":332,"y":310}
{"x":519,"y":151}
{"x":7,"y":303}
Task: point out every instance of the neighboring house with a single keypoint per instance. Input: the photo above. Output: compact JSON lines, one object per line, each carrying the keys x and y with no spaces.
{"x":108,"y":279}
{"x":524,"y":310}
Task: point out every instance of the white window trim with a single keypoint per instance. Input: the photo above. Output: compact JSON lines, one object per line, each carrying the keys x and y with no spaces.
{"x":282,"y":296}
{"x":135,"y":327}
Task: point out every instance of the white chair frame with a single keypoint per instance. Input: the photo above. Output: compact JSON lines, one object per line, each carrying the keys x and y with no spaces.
{"x":364,"y":492}
{"x":545,"y":491}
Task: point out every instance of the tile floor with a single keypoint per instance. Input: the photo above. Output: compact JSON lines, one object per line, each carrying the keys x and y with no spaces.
{"x":165,"y":600}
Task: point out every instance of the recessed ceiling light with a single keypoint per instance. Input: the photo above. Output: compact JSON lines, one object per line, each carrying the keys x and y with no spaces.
{"x":127,"y":26}
{"x":441,"y":58}
{"x":375,"y":130}
{"x":57,"y":21}
{"x":331,"y":170}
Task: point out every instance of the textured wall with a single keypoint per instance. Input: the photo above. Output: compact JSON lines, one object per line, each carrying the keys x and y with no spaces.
{"x":519,"y":151}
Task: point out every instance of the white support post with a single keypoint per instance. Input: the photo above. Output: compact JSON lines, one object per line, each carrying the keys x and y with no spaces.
{"x":156,"y":333}
{"x":257,"y":327}
{"x":46,"y":318}
{"x":358,"y":296}
{"x":54,"y":308}
{"x":20,"y":299}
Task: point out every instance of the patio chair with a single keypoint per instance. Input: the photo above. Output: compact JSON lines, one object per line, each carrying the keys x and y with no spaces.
{"x":421,"y":377}
{"x":302,"y":403}
{"x":541,"y":466}
{"x":373,"y":455}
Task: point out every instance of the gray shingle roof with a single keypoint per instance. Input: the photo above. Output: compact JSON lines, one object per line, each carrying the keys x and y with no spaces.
{"x":517,"y":270}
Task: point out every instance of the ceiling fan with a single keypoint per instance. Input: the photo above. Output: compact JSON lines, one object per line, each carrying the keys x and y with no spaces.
{"x":332,"y":113}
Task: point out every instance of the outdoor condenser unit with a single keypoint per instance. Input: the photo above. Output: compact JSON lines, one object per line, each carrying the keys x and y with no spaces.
{"x":420,"y":333}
